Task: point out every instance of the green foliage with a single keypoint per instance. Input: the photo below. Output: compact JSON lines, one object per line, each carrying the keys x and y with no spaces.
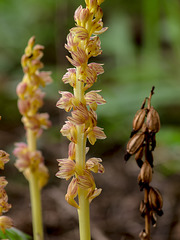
{"x":140,"y":49}
{"x":14,"y":234}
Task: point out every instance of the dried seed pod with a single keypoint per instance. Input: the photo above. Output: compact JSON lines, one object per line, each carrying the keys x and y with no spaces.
{"x":139,"y":153}
{"x":135,"y":143}
{"x":153,"y":120}
{"x":139,"y":119}
{"x":155,"y":200}
{"x":138,"y":156}
{"x":144,"y":128}
{"x":145,"y":175}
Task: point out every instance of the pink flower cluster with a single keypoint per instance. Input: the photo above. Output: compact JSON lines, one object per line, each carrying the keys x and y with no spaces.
{"x":28,"y":91}
{"x":29,"y":102}
{"x":82,"y":43}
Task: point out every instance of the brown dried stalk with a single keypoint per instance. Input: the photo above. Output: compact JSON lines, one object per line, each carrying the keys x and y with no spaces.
{"x":142,"y":143}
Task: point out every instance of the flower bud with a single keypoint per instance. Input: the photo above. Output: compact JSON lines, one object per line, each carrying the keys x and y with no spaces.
{"x":153,"y":121}
{"x":139,"y":119}
{"x":155,"y":201}
{"x":135,"y":143}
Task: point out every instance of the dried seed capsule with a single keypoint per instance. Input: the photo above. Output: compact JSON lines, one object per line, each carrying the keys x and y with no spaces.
{"x":155,"y":200}
{"x":145,"y":175}
{"x":139,"y":119}
{"x":139,"y":153}
{"x":153,"y":121}
{"x":138,"y":156}
{"x":135,"y":143}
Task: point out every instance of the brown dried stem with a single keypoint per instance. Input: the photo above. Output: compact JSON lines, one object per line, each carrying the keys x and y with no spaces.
{"x":142,"y":142}
{"x":147,"y":216}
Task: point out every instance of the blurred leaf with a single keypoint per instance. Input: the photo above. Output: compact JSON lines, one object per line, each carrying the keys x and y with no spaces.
{"x":14,"y":234}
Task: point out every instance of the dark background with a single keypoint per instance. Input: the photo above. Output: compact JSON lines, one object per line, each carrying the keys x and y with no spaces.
{"x":140,"y":49}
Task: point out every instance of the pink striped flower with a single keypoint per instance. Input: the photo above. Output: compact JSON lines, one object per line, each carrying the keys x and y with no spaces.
{"x":66,"y":101}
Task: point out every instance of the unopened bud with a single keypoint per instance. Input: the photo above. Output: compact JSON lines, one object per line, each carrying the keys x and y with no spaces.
{"x":135,"y":143}
{"x":99,"y":14}
{"x":153,"y":121}
{"x":139,"y":119}
{"x":155,"y":201}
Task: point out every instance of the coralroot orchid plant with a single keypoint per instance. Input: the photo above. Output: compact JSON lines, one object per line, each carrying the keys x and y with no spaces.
{"x":29,"y":160}
{"x":5,"y":222}
{"x":142,"y":142}
{"x":82,"y":43}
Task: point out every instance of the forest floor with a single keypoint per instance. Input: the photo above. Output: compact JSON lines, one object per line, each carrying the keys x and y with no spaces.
{"x":114,"y":214}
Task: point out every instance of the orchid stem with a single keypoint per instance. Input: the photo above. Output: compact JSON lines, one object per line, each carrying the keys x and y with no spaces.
{"x":83,"y":211}
{"x":35,"y":193}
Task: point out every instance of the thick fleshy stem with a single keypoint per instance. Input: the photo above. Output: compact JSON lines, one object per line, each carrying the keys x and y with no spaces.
{"x":35,"y":193}
{"x":83,"y":211}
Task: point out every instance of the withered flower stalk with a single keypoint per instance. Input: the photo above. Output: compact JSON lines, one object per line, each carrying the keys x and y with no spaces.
{"x":142,"y":143}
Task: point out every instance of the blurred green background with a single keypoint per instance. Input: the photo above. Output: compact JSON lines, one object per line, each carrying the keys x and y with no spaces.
{"x":141,"y":49}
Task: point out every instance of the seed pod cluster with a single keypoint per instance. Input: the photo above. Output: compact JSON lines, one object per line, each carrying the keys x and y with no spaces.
{"x":142,"y":143}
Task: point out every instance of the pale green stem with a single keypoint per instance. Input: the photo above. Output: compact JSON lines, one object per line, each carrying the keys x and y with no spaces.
{"x":83,"y":211}
{"x":35,"y":193}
